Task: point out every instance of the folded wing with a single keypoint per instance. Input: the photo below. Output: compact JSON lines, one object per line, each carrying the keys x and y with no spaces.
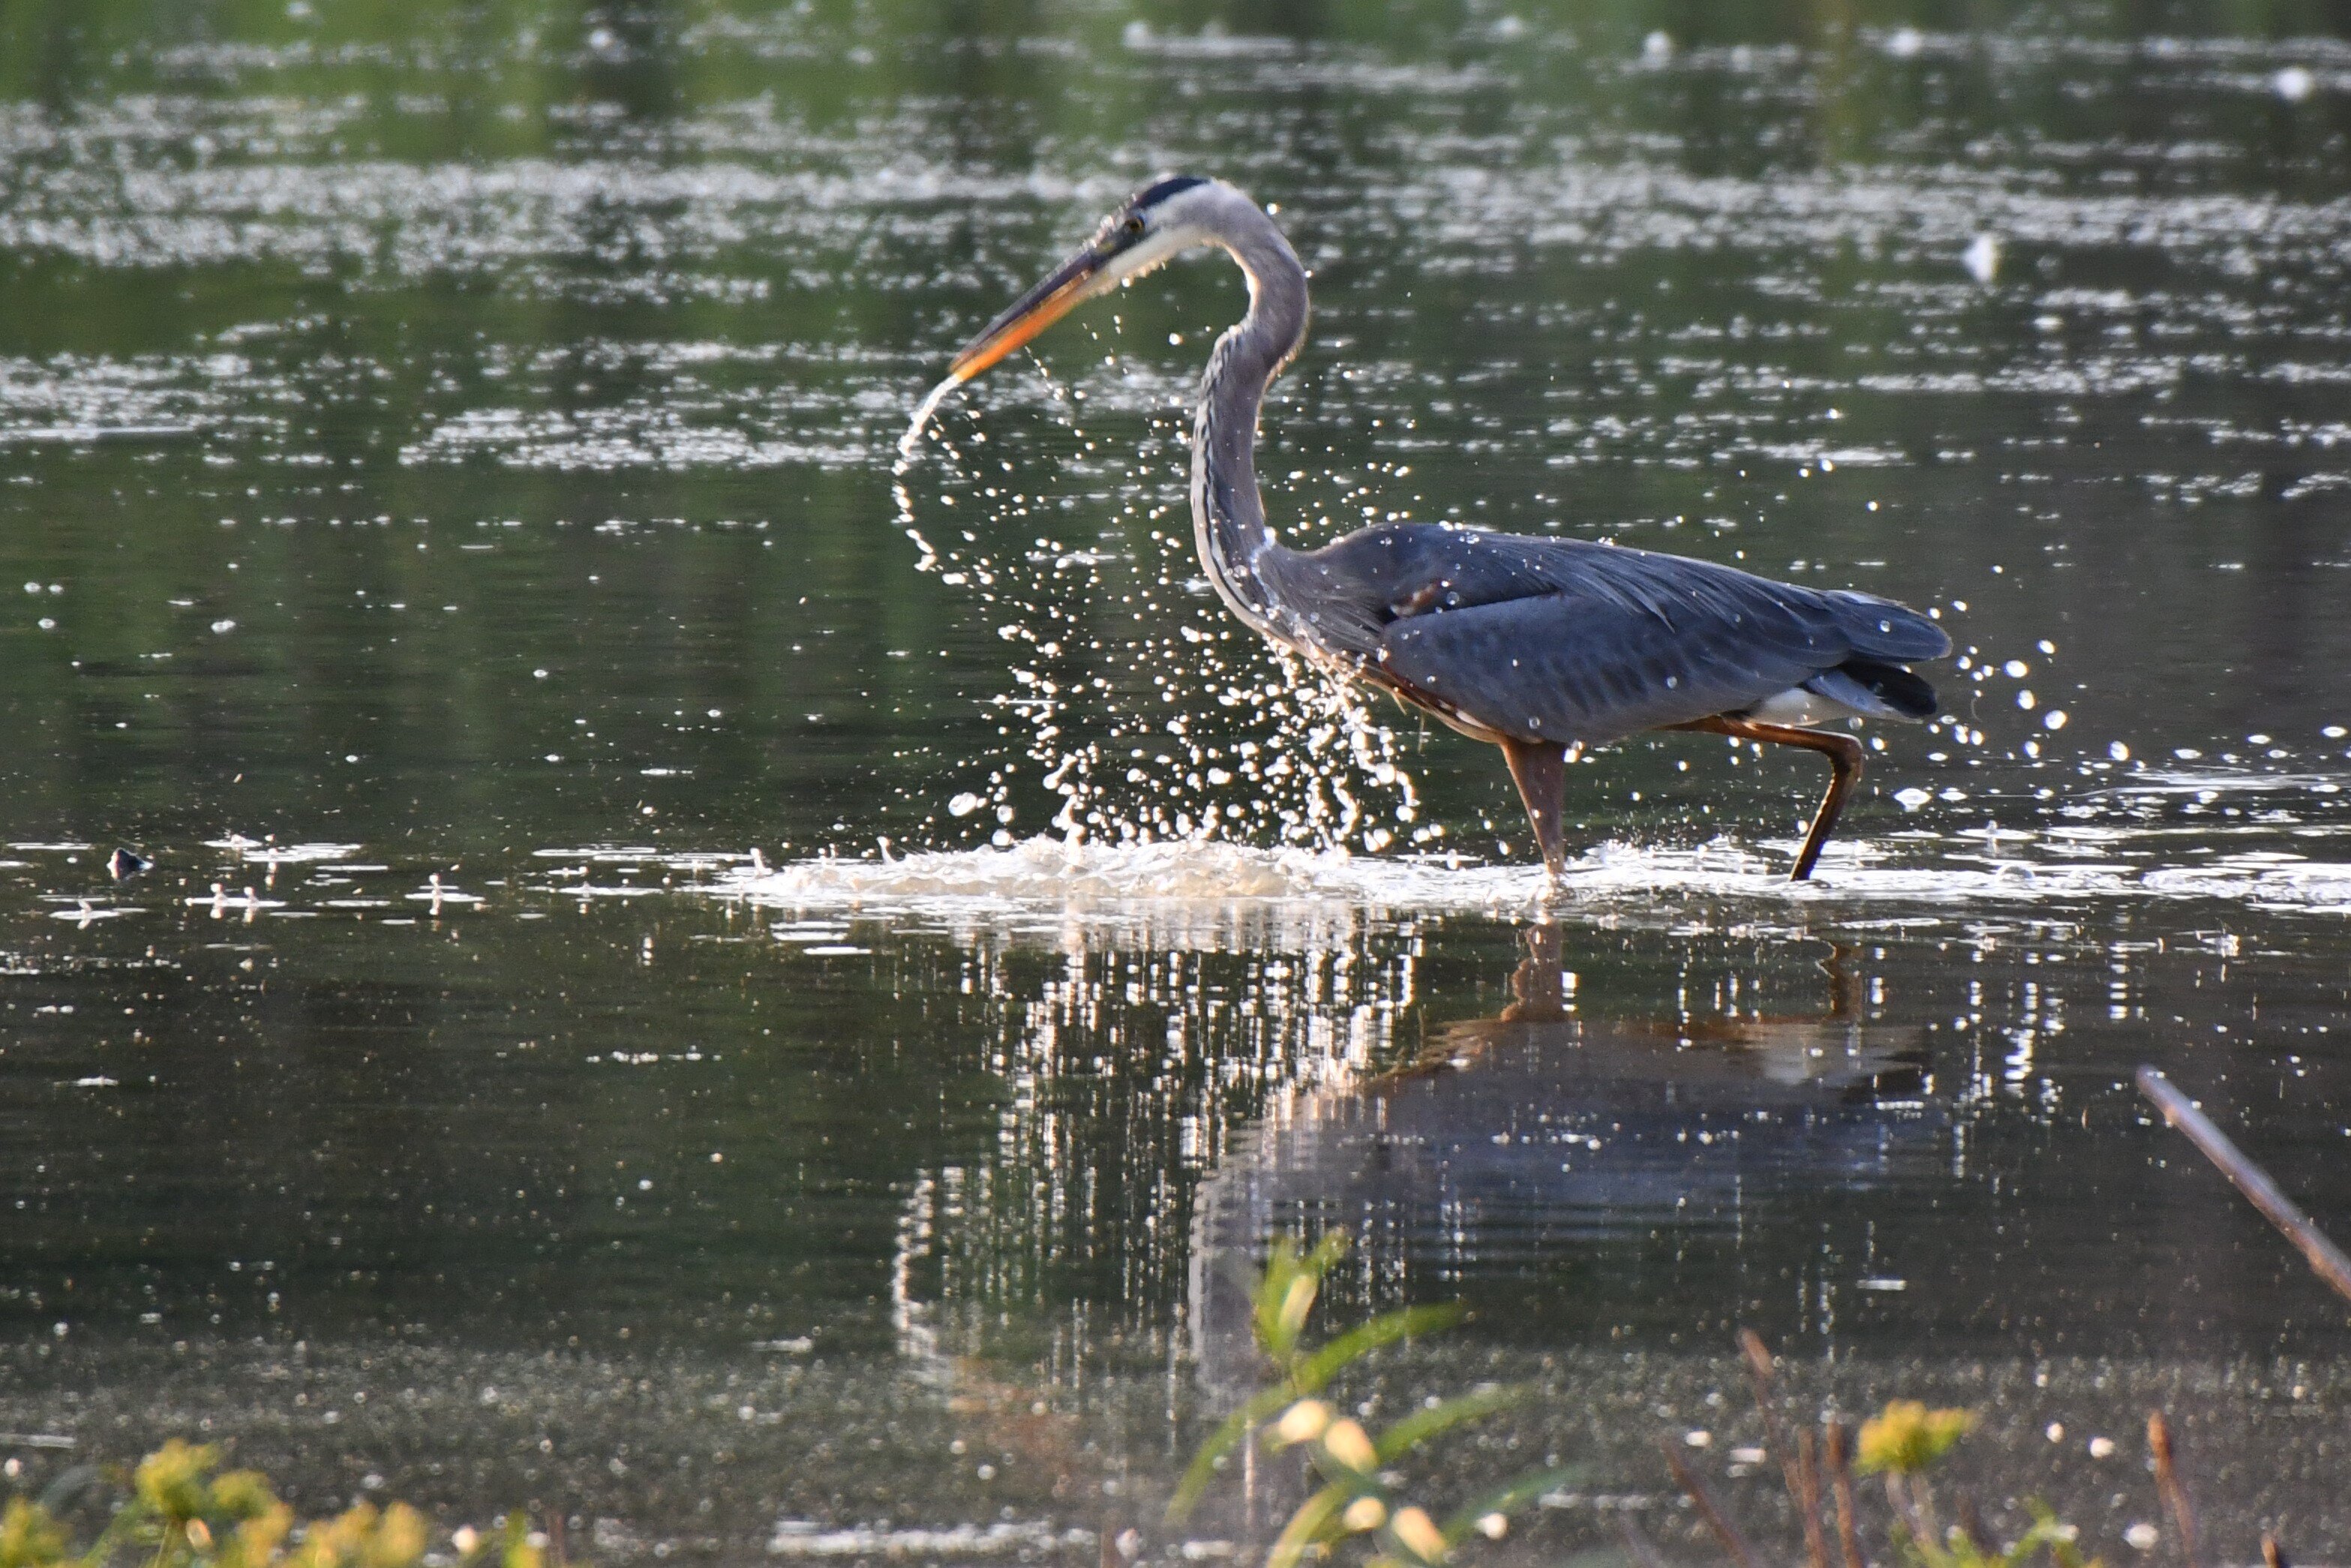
{"x":1572,"y":642}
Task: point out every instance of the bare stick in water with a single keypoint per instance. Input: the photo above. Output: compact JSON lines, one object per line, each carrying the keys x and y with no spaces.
{"x":2166,"y":1481}
{"x":2249,"y":1179}
{"x":1715,"y":1519}
{"x":1808,"y":1476}
{"x":1840,"y":1483}
{"x":1644,"y":1550}
{"x":1795,"y":1465}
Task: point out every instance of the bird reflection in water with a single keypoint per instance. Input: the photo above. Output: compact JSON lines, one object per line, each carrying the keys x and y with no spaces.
{"x":1831,"y":1050}
{"x":1537,"y":1140}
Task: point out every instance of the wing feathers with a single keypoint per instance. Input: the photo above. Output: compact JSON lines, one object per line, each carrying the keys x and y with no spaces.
{"x":1566,"y":641}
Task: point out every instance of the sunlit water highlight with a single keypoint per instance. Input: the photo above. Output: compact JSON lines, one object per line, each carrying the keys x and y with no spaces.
{"x":464,"y":457}
{"x":1117,"y":884}
{"x":1113,"y":722}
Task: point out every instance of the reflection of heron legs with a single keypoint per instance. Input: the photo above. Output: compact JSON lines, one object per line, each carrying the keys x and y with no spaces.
{"x":1540,"y":773}
{"x":1844,"y":754}
{"x":1536,"y":991}
{"x":1845,"y":985}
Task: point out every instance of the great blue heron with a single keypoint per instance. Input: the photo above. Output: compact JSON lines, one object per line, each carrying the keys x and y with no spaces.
{"x":1541,"y":646}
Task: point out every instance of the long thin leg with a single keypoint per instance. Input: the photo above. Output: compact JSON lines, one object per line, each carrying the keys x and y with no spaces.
{"x":1540,"y":773}
{"x":1536,"y":992}
{"x":1844,"y":754}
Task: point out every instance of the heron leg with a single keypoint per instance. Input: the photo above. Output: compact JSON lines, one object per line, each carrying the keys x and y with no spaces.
{"x":1540,"y":771}
{"x":1844,"y":754}
{"x":1536,"y":993}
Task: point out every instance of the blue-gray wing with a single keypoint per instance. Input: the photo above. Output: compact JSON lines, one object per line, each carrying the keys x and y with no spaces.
{"x":1562,"y":640}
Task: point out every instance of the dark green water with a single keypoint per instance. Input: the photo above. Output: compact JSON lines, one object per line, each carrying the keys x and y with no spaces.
{"x":456,"y":442}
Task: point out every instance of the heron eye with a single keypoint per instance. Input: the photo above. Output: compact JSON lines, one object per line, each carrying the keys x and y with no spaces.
{"x":1134,"y":224}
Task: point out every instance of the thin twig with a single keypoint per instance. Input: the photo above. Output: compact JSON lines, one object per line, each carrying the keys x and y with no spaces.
{"x":1724,"y":1530}
{"x":1914,"y":1512}
{"x":1971,"y":1522}
{"x":1840,"y":1483}
{"x":1808,"y":1473}
{"x":2272,"y":1555}
{"x":1793,"y":1466}
{"x":2166,"y":1481}
{"x":1637,"y":1542}
{"x":2322,"y":1254}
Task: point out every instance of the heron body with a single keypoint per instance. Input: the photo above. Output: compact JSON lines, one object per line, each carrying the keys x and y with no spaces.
{"x":1542,"y":646}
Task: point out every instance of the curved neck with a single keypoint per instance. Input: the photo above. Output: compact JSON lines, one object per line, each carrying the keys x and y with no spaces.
{"x":1237,"y":548}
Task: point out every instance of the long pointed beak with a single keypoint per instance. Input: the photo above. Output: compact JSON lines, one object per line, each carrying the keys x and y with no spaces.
{"x":1030,"y":314}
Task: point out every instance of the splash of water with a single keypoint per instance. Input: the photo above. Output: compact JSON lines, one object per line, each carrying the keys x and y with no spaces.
{"x":1112,"y":638}
{"x":911,"y":441}
{"x":1136,"y":883}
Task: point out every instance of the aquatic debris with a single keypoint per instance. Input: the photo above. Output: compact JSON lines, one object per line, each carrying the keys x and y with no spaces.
{"x":437,"y":893}
{"x":221,"y":899}
{"x":84,"y":912}
{"x":803,"y":1538}
{"x":2324,"y":1258}
{"x":268,"y":849}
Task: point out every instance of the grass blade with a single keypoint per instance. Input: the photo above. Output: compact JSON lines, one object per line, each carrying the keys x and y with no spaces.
{"x":1308,"y":1526}
{"x":1228,"y":1437}
{"x":1359,"y":1341}
{"x":1505,"y":1500}
{"x":1425,"y":1423}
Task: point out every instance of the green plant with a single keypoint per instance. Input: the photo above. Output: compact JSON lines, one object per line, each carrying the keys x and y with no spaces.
{"x":1961,"y":1550}
{"x":1906,"y":1437}
{"x":1357,"y":1496}
{"x":1906,"y":1441}
{"x":185,"y":1512}
{"x":1902,"y":1443}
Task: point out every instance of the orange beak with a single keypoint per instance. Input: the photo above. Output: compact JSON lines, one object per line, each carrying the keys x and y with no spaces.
{"x":1030,"y":314}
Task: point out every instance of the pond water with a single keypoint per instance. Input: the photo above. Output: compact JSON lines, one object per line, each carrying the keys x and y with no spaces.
{"x":763,"y":1007}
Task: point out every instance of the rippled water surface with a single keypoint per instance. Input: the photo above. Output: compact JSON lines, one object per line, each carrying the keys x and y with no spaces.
{"x":763,"y":1008}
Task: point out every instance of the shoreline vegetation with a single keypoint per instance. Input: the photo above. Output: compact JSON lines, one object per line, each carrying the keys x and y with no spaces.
{"x":1359,"y":1502}
{"x":177,"y":1508}
{"x":1355,"y":1500}
{"x":183,"y":1511}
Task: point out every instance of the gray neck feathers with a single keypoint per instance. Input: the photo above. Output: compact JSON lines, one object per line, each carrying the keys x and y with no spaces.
{"x":1241,"y":556}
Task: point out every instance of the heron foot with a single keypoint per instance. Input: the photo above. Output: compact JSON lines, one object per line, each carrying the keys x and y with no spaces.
{"x":1845,"y":765}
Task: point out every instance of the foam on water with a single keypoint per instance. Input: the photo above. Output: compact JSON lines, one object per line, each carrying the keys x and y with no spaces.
{"x":1117,"y":884}
{"x":267,"y":849}
{"x":1004,"y":1538}
{"x":1048,"y":871}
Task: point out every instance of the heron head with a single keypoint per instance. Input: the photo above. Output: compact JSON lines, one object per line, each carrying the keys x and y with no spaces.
{"x":1163,"y":219}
